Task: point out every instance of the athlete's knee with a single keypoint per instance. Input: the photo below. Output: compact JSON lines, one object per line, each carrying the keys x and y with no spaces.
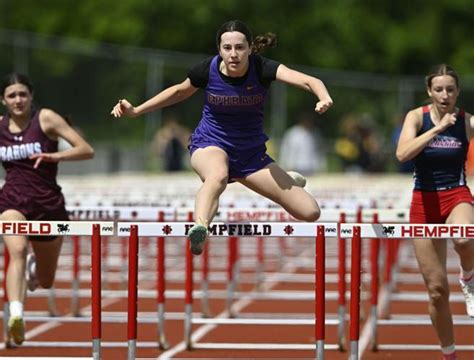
{"x":46,"y":282}
{"x":438,"y":294}
{"x":461,"y":245}
{"x":310,"y":215}
{"x":17,"y":252}
{"x":218,"y":179}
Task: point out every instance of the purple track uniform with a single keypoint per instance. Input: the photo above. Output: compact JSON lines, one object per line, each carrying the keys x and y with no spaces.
{"x":33,"y":192}
{"x":233,"y":113}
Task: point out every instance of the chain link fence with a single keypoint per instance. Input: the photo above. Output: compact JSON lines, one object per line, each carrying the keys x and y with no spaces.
{"x":84,"y":79}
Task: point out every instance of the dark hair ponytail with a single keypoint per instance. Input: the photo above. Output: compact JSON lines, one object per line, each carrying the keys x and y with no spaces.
{"x":264,"y":41}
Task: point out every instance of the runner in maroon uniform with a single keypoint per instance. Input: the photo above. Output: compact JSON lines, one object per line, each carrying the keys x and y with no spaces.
{"x":436,"y":137}
{"x":30,"y":156}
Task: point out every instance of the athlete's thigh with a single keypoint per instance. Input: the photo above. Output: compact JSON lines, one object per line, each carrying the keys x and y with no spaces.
{"x":209,"y":161}
{"x":462,"y":213}
{"x":47,"y":254}
{"x":275,"y":184}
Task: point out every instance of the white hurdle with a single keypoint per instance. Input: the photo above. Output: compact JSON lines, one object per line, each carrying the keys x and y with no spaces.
{"x":62,"y":228}
{"x":317,"y":230}
{"x":392,"y":232}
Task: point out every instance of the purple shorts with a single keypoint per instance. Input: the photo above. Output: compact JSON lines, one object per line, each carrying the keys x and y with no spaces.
{"x":242,"y":163}
{"x":47,"y":206}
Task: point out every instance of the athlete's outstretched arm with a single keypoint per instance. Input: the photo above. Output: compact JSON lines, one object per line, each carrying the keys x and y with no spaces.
{"x":308,"y":83}
{"x":167,"y":97}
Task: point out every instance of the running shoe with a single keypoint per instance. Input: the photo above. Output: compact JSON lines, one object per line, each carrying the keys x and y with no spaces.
{"x":16,"y":329}
{"x":197,"y":234}
{"x":468,"y":290}
{"x":30,"y":273}
{"x":299,"y":179}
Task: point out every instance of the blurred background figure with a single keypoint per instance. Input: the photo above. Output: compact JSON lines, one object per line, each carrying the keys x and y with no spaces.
{"x":170,"y":143}
{"x":358,"y":148}
{"x":302,"y":147}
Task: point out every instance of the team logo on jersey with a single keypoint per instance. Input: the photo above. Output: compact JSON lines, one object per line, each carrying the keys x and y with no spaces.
{"x":18,"y":138}
{"x":445,"y":142}
{"x":249,"y":87}
{"x":19,"y":152}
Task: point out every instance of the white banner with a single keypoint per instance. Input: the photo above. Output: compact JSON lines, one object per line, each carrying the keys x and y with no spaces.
{"x":253,"y":229}
{"x":53,"y":228}
{"x":409,"y":231}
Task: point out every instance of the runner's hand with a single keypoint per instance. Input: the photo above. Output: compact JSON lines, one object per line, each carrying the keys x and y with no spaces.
{"x":123,"y":108}
{"x":46,"y":157}
{"x":322,"y":106}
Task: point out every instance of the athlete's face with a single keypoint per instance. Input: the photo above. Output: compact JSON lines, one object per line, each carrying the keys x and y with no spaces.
{"x":235,"y":51}
{"x":17,"y":98}
{"x":444,"y":92}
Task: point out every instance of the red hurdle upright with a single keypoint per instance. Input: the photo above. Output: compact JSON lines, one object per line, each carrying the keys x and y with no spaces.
{"x":355,"y":294}
{"x":6,"y":309}
{"x":320,"y":288}
{"x":96,"y":293}
{"x":132,"y":291}
{"x":160,"y":286}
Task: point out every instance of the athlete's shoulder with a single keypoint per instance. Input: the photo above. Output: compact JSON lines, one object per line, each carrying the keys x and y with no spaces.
{"x":417,"y":113}
{"x":199,"y":73}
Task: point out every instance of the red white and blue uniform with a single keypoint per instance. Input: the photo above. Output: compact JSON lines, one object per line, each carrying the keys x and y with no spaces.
{"x":33,"y":192}
{"x":439,"y":176}
{"x":233,"y":113}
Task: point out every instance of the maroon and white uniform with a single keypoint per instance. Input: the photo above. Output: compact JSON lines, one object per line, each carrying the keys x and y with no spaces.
{"x":33,"y":192}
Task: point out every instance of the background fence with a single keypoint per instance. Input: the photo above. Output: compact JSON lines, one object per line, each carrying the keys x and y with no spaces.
{"x":84,"y":79}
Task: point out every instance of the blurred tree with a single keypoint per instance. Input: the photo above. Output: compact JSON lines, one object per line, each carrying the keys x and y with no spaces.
{"x":399,"y":37}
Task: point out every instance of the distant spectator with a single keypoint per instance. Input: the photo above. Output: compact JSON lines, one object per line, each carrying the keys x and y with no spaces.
{"x":170,"y":143}
{"x":301,"y":147}
{"x":358,"y":147}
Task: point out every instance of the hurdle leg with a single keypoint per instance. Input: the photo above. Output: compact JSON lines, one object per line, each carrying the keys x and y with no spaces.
{"x":232,"y":245}
{"x":53,"y":309}
{"x":162,"y":342}
{"x":341,"y":310}
{"x":355,"y":294}
{"x":123,"y":266}
{"x":96,"y":298}
{"x":259,"y":275}
{"x":188,"y":307}
{"x":375,"y":246}
{"x":132,"y":291}
{"x":320,"y":291}
{"x":205,"y":311}
{"x":75,"y":308}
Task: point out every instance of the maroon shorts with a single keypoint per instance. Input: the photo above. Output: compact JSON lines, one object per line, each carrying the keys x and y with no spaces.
{"x":434,"y":207}
{"x":47,"y":206}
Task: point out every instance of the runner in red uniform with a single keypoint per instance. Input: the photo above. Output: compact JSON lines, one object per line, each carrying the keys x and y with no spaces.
{"x":437,"y":137}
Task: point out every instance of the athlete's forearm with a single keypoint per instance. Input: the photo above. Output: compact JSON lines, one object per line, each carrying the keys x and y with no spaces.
{"x":167,"y":97}
{"x":409,"y":149}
